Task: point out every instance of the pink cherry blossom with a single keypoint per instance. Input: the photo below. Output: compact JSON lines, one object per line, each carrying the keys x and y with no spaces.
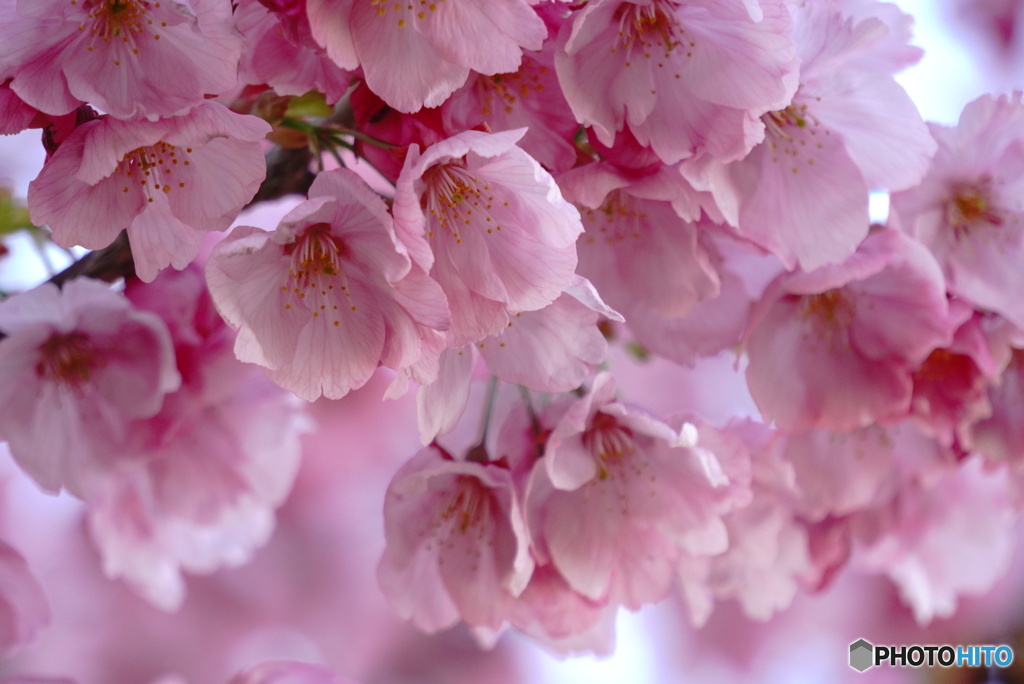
{"x":165,"y":182}
{"x":24,"y":610}
{"x":637,"y":250}
{"x":490,"y":225}
{"x":619,"y":495}
{"x":969,"y":209}
{"x":209,"y":469}
{"x":864,"y":325}
{"x":839,"y":138}
{"x":457,"y":542}
{"x":77,"y":366}
{"x":130,"y":58}
{"x":529,"y":98}
{"x":416,"y":57}
{"x":329,"y":295}
{"x":686,"y":78}
{"x":280,"y":52}
{"x":942,"y":540}
{"x":951,"y":387}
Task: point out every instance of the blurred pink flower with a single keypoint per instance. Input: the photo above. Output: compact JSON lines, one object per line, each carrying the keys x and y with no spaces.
{"x":77,"y":367}
{"x":969,"y":209}
{"x":863,"y":325}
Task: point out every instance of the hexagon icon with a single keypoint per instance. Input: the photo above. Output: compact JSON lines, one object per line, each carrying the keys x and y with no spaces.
{"x":861,"y":655}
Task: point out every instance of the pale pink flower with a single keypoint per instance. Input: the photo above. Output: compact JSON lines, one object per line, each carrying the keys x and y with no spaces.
{"x":1000,"y":436}
{"x":24,"y":610}
{"x":207,"y":471}
{"x":969,"y":209}
{"x":280,"y":52}
{"x":416,"y":56}
{"x":941,"y":540}
{"x":490,"y":226}
{"x":130,"y":58}
{"x":166,"y":182}
{"x":619,"y":495}
{"x":637,"y":250}
{"x":287,"y":672}
{"x":457,"y":544}
{"x":713,"y":324}
{"x":802,"y":194}
{"x":77,"y":366}
{"x":864,"y":326}
{"x":838,"y":474}
{"x":685,"y":78}
{"x":550,"y":611}
{"x":329,"y":295}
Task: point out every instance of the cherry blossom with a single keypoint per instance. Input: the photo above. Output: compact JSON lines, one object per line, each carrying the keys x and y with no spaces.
{"x":638,"y":491}
{"x":280,"y":52}
{"x":416,"y":56}
{"x":863,"y":325}
{"x":839,"y":138}
{"x":968,"y":209}
{"x":130,"y":58}
{"x":457,"y":542}
{"x":77,"y":366}
{"x":209,"y":469}
{"x":685,"y":78}
{"x":329,"y":295}
{"x":490,"y":226}
{"x":166,"y":182}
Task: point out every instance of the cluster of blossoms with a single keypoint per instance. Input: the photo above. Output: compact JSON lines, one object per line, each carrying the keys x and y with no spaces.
{"x":531,"y":197}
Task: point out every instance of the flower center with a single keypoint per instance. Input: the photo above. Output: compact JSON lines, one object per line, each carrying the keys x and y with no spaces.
{"x":67,"y":358}
{"x":793,"y":136}
{"x":455,"y":198}
{"x":970,"y":206}
{"x":503,"y":91}
{"x":829,"y":312}
{"x":468,"y":507}
{"x":608,"y":442}
{"x":110,"y":21}
{"x":615,"y":221}
{"x":152,"y":168}
{"x":316,"y":278}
